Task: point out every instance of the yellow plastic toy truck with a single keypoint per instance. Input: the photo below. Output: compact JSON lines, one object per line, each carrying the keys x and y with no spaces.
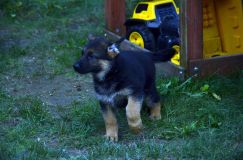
{"x":154,"y":25}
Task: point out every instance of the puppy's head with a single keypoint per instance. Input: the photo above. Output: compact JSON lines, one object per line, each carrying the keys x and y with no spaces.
{"x":95,"y":57}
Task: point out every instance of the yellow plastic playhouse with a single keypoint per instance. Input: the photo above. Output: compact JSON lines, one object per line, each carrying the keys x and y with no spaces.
{"x":222,"y":27}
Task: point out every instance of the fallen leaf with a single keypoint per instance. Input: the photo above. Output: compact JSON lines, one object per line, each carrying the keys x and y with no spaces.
{"x":216,"y":96}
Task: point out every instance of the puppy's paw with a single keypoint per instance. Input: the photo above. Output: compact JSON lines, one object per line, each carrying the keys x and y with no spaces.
{"x":155,"y":116}
{"x":136,"y":129}
{"x":155,"y":112}
{"x":112,"y":137}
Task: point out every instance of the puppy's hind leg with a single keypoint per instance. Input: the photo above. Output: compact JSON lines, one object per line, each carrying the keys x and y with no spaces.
{"x":153,"y":102}
{"x":155,"y":111}
{"x":133,"y":109}
{"x":110,"y":122}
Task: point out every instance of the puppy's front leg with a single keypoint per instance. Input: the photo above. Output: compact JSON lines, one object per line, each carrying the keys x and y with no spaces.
{"x":110,"y":122}
{"x":133,"y":109}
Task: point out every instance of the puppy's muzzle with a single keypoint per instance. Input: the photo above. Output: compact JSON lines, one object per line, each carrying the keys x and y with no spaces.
{"x":76,"y":67}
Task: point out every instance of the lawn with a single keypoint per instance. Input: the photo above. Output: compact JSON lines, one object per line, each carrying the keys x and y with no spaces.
{"x":49,"y":112}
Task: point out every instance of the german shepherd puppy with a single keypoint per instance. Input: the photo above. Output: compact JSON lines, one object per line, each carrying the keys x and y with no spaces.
{"x":129,"y":74}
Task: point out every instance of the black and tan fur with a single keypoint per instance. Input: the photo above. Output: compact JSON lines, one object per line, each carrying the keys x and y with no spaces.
{"x":129,"y":74}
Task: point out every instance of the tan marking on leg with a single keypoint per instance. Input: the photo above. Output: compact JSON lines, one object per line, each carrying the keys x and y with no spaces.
{"x":155,"y":111}
{"x":110,"y":124}
{"x":133,"y":114}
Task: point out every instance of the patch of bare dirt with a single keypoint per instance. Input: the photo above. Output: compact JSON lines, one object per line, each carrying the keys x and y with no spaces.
{"x":50,"y":89}
{"x":59,"y":90}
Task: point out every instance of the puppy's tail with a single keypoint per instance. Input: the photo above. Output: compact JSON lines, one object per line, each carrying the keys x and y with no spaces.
{"x":163,"y":55}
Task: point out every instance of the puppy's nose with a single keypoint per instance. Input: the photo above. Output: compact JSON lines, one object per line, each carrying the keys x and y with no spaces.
{"x":76,"y":66}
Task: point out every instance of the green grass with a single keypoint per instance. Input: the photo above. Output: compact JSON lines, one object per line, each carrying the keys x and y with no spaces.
{"x":51,"y":31}
{"x":201,"y":119}
{"x":192,"y":127}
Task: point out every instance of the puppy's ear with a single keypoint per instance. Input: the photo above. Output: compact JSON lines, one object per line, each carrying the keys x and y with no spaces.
{"x":112,"y":51}
{"x":112,"y":54}
{"x":91,"y":37}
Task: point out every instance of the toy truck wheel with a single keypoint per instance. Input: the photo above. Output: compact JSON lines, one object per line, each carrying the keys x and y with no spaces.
{"x":141,"y":36}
